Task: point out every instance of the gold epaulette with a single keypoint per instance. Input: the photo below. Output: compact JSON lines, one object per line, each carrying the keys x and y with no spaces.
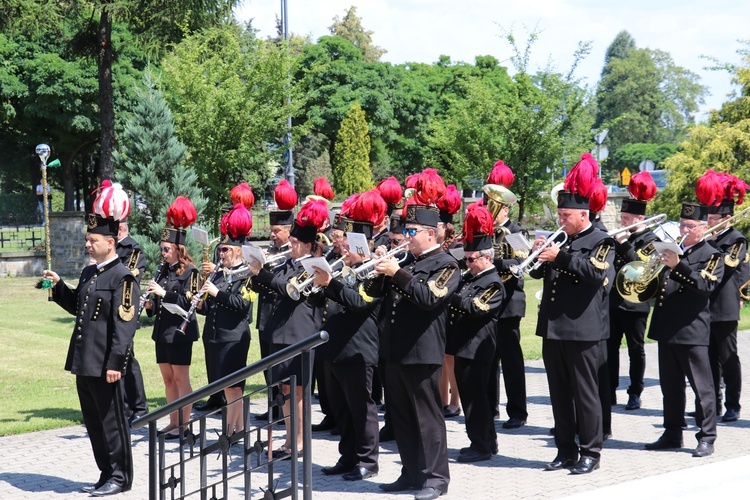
{"x":483,"y":301}
{"x":126,"y":309}
{"x":600,"y":259}
{"x":363,"y":293}
{"x":133,"y":262}
{"x":707,"y":273}
{"x":732,"y":258}
{"x":438,"y":286}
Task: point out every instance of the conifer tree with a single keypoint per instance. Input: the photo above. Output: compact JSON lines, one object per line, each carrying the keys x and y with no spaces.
{"x":150,"y":161}
{"x":351,"y":154}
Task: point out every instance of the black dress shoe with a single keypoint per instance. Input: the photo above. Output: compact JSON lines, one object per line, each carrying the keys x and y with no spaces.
{"x":89,"y":488}
{"x":468,"y":449}
{"x":325,"y":425}
{"x":169,"y":436}
{"x":473,"y":456}
{"x":137,"y":414}
{"x":585,"y":465}
{"x":634,"y":402}
{"x":399,"y":484}
{"x":359,"y":473}
{"x":337,"y":469}
{"x":207,"y":406}
{"x":704,"y":449}
{"x":731,"y":415}
{"x":606,"y":435}
{"x":260,"y":416}
{"x":428,"y":493}
{"x":448,"y":413}
{"x":386,"y":434}
{"x":560,"y":463}
{"x":514,"y":423}
{"x":107,"y":489}
{"x":664,"y":443}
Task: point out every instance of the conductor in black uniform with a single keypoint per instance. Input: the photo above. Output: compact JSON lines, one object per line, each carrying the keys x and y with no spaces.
{"x":413,"y":343}
{"x":471,"y":333}
{"x":681,"y":324}
{"x":103,"y":303}
{"x":131,"y":254}
{"x":571,"y":322}
{"x":725,"y":306}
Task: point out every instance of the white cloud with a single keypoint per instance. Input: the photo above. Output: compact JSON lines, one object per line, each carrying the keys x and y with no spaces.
{"x":422,"y":30}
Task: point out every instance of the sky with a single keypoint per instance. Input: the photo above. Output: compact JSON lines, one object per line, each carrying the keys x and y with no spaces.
{"x":422,"y":30}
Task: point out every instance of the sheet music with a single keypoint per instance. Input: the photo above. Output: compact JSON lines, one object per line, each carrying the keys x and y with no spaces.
{"x":518,"y":242}
{"x":661,"y":246}
{"x":175,"y":309}
{"x":319,"y":262}
{"x":200,"y":235}
{"x":251,"y":252}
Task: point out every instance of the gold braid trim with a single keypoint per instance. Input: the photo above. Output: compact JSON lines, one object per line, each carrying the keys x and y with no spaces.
{"x":133,"y":262}
{"x":126,"y":310}
{"x":438,"y":285}
{"x":708,"y":272}
{"x":194,"y":286}
{"x":732,"y":259}
{"x":645,"y":252}
{"x":363,"y":293}
{"x":483,"y":301}
{"x":600,"y":259}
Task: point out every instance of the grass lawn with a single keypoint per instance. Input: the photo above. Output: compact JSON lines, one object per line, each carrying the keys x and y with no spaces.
{"x":37,"y":393}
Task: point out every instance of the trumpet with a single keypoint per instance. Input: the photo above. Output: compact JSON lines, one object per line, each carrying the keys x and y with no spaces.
{"x":296,"y":288}
{"x":280,"y":257}
{"x":156,"y":277}
{"x":359,"y":274}
{"x":348,"y":276}
{"x":656,"y":220}
{"x":531,"y":261}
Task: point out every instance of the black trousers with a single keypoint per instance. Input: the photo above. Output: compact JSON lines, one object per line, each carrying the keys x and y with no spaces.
{"x":605,"y":393}
{"x":132,"y":382}
{"x":676,"y":361}
{"x":108,"y":430}
{"x":319,"y":376}
{"x":384,"y":383}
{"x":722,"y":354}
{"x":217,"y":398}
{"x":349,"y":389}
{"x":633,"y":326}
{"x":472,"y":377}
{"x":416,"y":410}
{"x":509,"y":355}
{"x":572,"y":374}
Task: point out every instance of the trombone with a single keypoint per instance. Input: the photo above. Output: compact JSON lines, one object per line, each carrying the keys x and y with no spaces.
{"x":656,"y":220}
{"x":531,"y":261}
{"x":350,"y":274}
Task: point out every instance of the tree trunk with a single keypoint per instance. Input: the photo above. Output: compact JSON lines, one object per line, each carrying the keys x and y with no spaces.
{"x":68,"y":182}
{"x":106,"y":109}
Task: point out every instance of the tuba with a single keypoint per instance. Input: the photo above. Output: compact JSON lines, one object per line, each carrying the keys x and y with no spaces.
{"x":496,"y":197}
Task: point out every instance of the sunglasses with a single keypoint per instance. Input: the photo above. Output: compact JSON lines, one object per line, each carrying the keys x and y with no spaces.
{"x":411,"y":231}
{"x":395,"y":242}
{"x":165,"y":249}
{"x":223,"y":250}
{"x":471,"y":260}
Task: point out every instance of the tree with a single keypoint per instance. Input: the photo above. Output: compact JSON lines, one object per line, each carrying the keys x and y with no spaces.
{"x":351,"y":29}
{"x":351,"y":157}
{"x":631,"y":155}
{"x":150,"y":161}
{"x":228,"y":91}
{"x":618,"y":49}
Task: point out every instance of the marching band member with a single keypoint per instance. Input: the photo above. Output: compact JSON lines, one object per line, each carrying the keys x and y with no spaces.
{"x":226,"y":305}
{"x":471,"y":333}
{"x":625,"y":317}
{"x":725,"y":301}
{"x":508,"y":351}
{"x":681,"y":324}
{"x":101,"y":341}
{"x":293,"y":320}
{"x":413,"y":343}
{"x":571,"y":322}
{"x":349,"y":360}
{"x":176,"y":282}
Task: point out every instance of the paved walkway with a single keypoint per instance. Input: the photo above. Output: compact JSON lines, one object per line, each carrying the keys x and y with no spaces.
{"x":56,"y":463}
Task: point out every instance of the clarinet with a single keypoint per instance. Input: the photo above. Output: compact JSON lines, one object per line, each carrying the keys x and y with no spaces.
{"x":156,"y":277}
{"x":196,"y":299}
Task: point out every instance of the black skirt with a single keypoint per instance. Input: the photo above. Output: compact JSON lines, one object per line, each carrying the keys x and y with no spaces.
{"x":289,"y":367}
{"x":227,"y":358}
{"x":174,"y":353}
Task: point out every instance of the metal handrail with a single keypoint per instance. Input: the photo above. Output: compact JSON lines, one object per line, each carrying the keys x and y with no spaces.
{"x":308,"y":344}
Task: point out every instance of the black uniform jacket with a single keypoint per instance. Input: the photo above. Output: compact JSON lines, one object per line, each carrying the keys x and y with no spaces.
{"x":638,"y":247}
{"x":725,"y":299}
{"x":227,"y":314}
{"x":382,"y":238}
{"x":291,"y":320}
{"x":681,"y":313}
{"x":514,"y":300}
{"x":131,"y":254}
{"x":575,"y":288}
{"x":180,"y":290}
{"x":472,"y":316}
{"x":351,"y":320}
{"x":266,"y":299}
{"x":105,"y":304}
{"x":413,"y":312}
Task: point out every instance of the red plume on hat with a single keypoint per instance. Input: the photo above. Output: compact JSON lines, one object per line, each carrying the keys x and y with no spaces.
{"x":285,"y":195}
{"x":411,"y":181}
{"x":709,"y":188}
{"x":346,"y":207}
{"x":390,"y":190}
{"x":322,"y":188}
{"x":312,"y":213}
{"x":112,"y":202}
{"x":642,"y":186}
{"x":237,"y":223}
{"x":598,"y":197}
{"x":242,"y":193}
{"x":181,"y":214}
{"x":451,"y":201}
{"x":501,"y":174}
{"x":734,"y":187}
{"x":430,"y":187}
{"x":370,"y":207}
{"x":478,"y":220}
{"x":583,"y":176}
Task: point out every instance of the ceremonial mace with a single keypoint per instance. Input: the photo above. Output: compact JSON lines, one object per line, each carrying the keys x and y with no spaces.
{"x":42,"y":151}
